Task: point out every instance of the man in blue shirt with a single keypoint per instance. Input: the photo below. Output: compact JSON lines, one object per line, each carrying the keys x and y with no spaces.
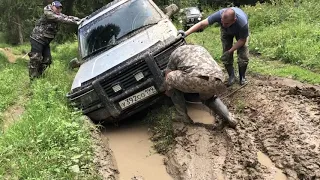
{"x":234,"y":24}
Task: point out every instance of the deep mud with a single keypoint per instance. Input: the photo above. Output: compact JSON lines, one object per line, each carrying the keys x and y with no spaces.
{"x":133,"y":152}
{"x":104,"y":157}
{"x":278,"y":136}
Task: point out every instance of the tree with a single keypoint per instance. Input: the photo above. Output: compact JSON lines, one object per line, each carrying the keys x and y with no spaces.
{"x":16,"y":18}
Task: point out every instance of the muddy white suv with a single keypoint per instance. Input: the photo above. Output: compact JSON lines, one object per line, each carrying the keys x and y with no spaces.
{"x":125,"y":45}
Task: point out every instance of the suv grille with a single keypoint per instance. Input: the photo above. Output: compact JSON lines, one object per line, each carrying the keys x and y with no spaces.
{"x":162,"y":58}
{"x":126,"y":79}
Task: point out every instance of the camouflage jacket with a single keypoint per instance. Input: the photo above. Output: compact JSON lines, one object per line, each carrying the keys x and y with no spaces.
{"x":196,"y":61}
{"x":47,"y":26}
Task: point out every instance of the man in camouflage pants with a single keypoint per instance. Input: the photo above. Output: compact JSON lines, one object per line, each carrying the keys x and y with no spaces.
{"x":234,"y":24}
{"x":191,"y":69}
{"x":44,"y":32}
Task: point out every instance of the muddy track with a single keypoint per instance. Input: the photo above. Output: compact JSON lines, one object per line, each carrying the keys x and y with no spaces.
{"x":277,"y":137}
{"x":278,"y":117}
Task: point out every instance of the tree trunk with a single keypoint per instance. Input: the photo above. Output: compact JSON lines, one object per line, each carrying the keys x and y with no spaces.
{"x":19,"y":30}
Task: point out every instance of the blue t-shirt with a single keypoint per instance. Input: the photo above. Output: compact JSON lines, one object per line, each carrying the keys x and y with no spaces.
{"x":239,"y":29}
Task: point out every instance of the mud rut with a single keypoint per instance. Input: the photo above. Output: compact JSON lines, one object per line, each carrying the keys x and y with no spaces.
{"x":278,"y":136}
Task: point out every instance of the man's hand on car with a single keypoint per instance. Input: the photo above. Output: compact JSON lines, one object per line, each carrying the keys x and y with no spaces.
{"x":80,"y":21}
{"x":183,"y":34}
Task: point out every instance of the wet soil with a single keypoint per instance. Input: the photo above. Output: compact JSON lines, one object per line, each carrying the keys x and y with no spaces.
{"x":133,"y":152}
{"x":277,"y":136}
{"x":11,"y":115}
{"x":104,"y":157}
{"x":11,"y":57}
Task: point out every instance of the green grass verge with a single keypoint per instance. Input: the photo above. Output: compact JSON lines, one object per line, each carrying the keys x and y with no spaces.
{"x":283,"y":70}
{"x":159,"y":120}
{"x":51,"y":140}
{"x":12,"y":83}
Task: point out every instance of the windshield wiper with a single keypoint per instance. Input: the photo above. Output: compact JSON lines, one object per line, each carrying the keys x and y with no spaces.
{"x":109,"y":46}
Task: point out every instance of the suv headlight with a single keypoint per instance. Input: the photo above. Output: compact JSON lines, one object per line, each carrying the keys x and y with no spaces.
{"x":199,"y":18}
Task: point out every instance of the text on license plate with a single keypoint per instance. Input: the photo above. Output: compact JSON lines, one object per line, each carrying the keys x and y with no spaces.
{"x":138,"y":97}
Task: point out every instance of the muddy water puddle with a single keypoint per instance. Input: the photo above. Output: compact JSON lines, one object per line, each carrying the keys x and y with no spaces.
{"x":266,"y":161}
{"x":132,"y":148}
{"x":200,"y":113}
{"x":133,"y":152}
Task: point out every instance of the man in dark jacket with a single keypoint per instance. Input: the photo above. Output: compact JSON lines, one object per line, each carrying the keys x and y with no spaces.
{"x":43,"y":33}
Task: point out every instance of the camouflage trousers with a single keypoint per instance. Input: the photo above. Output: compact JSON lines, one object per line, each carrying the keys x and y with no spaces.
{"x":40,"y":59}
{"x":242,"y":52}
{"x":206,"y":86}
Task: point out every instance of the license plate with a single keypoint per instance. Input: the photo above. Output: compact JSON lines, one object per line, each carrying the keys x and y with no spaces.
{"x":137,"y":97}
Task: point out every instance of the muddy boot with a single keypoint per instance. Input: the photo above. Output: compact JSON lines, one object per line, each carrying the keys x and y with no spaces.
{"x":230,"y":71}
{"x":216,"y":105}
{"x":179,"y":102}
{"x":219,"y":125}
{"x":242,"y":74}
{"x":44,"y":65}
{"x":34,"y":65}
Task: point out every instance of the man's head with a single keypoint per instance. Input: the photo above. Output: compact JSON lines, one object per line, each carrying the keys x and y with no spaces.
{"x":56,"y":7}
{"x":228,"y":17}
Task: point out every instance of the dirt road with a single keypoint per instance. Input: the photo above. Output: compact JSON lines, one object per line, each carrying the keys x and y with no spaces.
{"x":11,"y":57}
{"x":277,"y":137}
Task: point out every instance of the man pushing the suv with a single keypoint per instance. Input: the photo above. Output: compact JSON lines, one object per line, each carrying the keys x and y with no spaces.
{"x":44,"y":32}
{"x":191,"y":69}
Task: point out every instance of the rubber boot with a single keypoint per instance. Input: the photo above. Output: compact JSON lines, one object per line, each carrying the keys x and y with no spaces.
{"x":216,"y":105}
{"x":242,"y":74}
{"x":230,"y":71}
{"x":34,"y":65}
{"x":179,"y":102}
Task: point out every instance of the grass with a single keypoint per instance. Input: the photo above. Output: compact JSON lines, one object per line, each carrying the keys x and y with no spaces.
{"x":160,"y":122}
{"x":51,"y":140}
{"x":12,"y":83}
{"x":280,"y":69}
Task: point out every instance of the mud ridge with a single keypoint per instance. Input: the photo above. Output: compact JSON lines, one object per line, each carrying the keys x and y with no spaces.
{"x":103,"y":157}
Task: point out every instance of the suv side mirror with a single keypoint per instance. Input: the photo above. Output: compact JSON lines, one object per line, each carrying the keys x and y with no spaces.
{"x":171,"y":10}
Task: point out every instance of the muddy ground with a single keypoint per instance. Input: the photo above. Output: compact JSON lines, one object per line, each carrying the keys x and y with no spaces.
{"x":277,"y":117}
{"x":277,"y":137}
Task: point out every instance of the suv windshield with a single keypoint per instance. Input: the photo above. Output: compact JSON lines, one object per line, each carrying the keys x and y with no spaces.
{"x":105,"y":31}
{"x":193,"y":11}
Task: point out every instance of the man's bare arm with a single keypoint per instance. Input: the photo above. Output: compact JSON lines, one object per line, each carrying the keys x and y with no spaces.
{"x":200,"y":25}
